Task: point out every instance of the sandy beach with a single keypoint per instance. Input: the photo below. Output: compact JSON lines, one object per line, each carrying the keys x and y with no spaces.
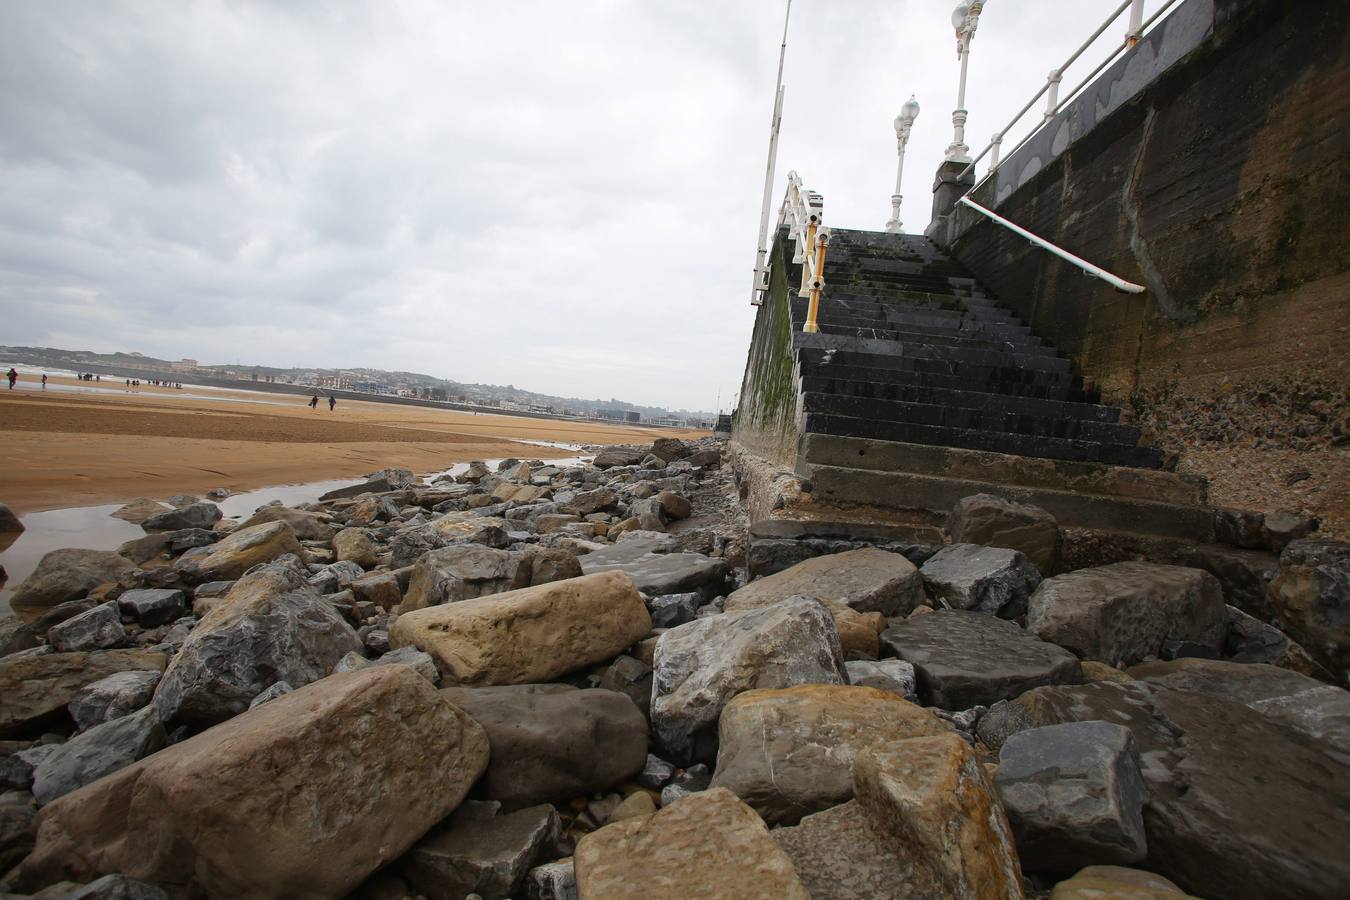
{"x":78,"y":444}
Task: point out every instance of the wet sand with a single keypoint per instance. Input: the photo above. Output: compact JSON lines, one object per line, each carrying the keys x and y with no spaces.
{"x":81,"y":445}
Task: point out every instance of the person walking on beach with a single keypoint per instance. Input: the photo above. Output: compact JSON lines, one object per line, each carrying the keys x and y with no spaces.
{"x":13,"y":376}
{"x":314,"y":402}
{"x":331,"y":403}
{"x":44,"y":381}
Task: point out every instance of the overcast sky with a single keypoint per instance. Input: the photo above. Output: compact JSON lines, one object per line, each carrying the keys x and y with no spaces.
{"x":561,"y":196}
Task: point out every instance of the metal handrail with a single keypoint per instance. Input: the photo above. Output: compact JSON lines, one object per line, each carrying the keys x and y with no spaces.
{"x":810,"y":236}
{"x":1137,"y":27}
{"x":1115,"y":281}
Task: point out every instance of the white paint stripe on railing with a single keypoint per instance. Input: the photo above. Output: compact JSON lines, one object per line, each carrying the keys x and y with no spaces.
{"x":1115,"y":281}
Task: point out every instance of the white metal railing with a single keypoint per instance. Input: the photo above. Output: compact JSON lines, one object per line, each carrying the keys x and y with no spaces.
{"x":803,"y":212}
{"x":760,"y":286}
{"x":1137,"y":26}
{"x":1115,"y":281}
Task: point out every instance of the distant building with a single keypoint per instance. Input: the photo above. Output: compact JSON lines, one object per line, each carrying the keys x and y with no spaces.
{"x":632,"y":417}
{"x":184,"y":365}
{"x":610,"y":415}
{"x":335,"y":382}
{"x":668,"y":421}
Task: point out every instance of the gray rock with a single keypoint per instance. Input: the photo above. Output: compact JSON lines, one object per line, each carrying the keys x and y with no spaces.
{"x":632,"y":678}
{"x":995,"y":522}
{"x":700,"y":666}
{"x":670,"y":449}
{"x":1249,"y":640}
{"x":649,"y":513}
{"x":893,"y":675}
{"x":670,"y":610}
{"x":154,"y":545}
{"x":662,"y":573}
{"x":1319,"y":711}
{"x":1126,"y":612}
{"x":477,"y":853}
{"x":117,"y":887}
{"x":552,"y":742}
{"x":965,"y":659}
{"x":373,"y":486}
{"x":692,"y":780}
{"x":610,"y":457}
{"x":420,"y":662}
{"x":97,"y":629}
{"x":843,"y":854}
{"x":410,"y":545}
{"x":17,"y":810}
{"x":983,"y":579}
{"x":552,"y":881}
{"x":463,"y":572}
{"x":1074,"y":796}
{"x":212,"y":590}
{"x":153,"y":606}
{"x":587,"y":502}
{"x":867,"y":580}
{"x":99,"y":751}
{"x":194,"y":515}
{"x":1239,"y":806}
{"x":280,"y":689}
{"x":271,"y":627}
{"x":64,"y":575}
{"x":1244,"y":575}
{"x":16,"y":636}
{"x":111,"y":698}
{"x":656,"y":772}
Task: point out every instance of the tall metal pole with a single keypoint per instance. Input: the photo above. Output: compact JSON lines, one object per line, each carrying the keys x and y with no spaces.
{"x":761,"y":277}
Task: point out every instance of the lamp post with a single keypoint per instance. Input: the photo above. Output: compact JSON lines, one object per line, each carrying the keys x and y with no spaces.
{"x":965,"y":18}
{"x":903,"y":123}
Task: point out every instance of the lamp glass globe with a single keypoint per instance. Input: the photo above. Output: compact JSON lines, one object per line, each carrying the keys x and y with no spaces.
{"x":959,"y":15}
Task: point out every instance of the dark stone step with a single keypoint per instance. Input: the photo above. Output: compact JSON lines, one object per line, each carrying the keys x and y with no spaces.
{"x":812,"y":361}
{"x":995,"y":385}
{"x":1024,"y":353}
{"x":953,"y":357}
{"x":986,"y":401}
{"x":996,"y":441}
{"x":968,"y":330}
{"x":993,"y":419}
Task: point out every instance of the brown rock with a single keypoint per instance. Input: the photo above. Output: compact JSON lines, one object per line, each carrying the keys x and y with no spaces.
{"x":1116,"y":883}
{"x":241,"y":551}
{"x":137,"y":511}
{"x":945,"y":814}
{"x":994,"y":522}
{"x":34,"y":690}
{"x":257,"y":807}
{"x":380,"y":588}
{"x":530,"y":635}
{"x":707,"y":845}
{"x":790,"y":752}
{"x":308,"y":526}
{"x":1100,"y":671}
{"x":354,"y":544}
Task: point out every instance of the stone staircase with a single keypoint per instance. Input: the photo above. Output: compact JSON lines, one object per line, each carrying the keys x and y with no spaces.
{"x":920,"y":388}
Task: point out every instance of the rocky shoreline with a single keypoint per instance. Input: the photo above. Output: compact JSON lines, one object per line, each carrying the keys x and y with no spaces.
{"x":560,"y":681}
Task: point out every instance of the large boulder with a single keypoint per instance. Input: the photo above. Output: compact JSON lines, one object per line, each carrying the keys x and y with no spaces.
{"x":97,"y":629}
{"x":270,"y":627}
{"x":258,"y":808}
{"x":1244,"y":575}
{"x":1074,"y":795}
{"x":700,"y":666}
{"x":463,"y":572}
{"x":64,"y":575}
{"x":790,"y":752}
{"x":308,"y":526}
{"x":1239,"y":805}
{"x":552,"y":742}
{"x":530,"y":635}
{"x":138,"y":510}
{"x":34,"y":690}
{"x":670,"y":449}
{"x":194,"y":515}
{"x":707,"y":845}
{"x":1117,"y":883}
{"x":1319,"y":711}
{"x":1311,"y":597}
{"x":867,"y":580}
{"x":152,"y":607}
{"x":995,"y":522}
{"x":160,"y":543}
{"x":991,"y":580}
{"x":241,"y":551}
{"x":966,"y":659}
{"x":1130,"y":611}
{"x":354,"y":545}
{"x":10,"y":527}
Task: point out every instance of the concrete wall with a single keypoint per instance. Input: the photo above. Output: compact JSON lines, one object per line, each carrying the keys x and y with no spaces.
{"x":1211,"y":163}
{"x":766,"y":417}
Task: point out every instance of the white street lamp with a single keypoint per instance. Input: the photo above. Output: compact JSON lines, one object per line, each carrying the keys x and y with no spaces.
{"x":965,"y":18}
{"x":903,"y":123}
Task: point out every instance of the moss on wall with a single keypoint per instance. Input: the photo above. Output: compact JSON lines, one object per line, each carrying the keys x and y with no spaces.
{"x":766,"y":417}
